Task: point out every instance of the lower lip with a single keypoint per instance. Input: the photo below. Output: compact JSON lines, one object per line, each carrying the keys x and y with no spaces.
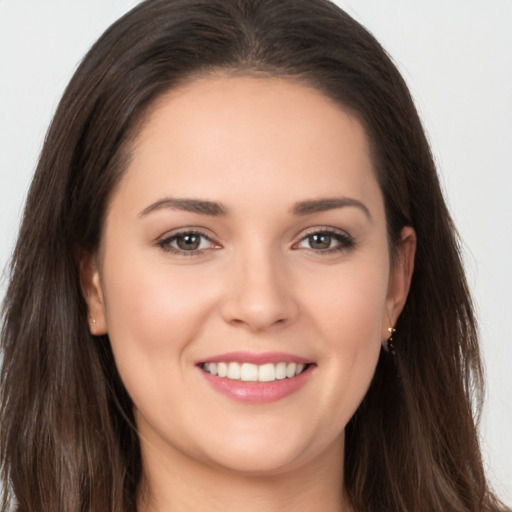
{"x":258,"y":392}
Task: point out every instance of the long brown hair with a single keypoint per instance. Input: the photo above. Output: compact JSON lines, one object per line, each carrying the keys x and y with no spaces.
{"x":67,"y":440}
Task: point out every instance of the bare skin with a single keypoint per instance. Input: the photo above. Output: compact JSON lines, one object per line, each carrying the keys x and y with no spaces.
{"x":286,"y":252}
{"x":196,"y":487}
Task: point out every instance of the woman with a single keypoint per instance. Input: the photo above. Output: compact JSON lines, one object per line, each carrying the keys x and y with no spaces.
{"x":235,"y":208}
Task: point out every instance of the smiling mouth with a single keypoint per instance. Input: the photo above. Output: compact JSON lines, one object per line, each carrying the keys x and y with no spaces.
{"x":248,"y":372}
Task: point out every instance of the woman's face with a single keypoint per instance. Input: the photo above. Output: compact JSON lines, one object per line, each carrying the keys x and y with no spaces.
{"x":247,"y":236}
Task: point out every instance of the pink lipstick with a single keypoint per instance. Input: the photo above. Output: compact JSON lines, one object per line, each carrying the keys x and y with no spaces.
{"x":256,"y":378}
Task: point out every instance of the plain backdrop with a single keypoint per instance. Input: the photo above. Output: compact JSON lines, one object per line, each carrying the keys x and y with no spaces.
{"x":456,"y":56}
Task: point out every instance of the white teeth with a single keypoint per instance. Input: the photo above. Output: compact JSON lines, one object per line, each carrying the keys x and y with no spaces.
{"x":222,"y":369}
{"x":233,"y":371}
{"x":249,"y":372}
{"x":290,"y":370}
{"x":281,"y":371}
{"x":267,"y":373}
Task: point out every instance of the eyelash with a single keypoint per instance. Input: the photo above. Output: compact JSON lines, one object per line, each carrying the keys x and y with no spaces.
{"x":165,"y":244}
{"x":344,"y":240}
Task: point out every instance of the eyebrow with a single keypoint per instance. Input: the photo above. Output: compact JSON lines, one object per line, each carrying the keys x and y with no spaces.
{"x":322,"y":205}
{"x":215,"y":209}
{"x":187,"y":205}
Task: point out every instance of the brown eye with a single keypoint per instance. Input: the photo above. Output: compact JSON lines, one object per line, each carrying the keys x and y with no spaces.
{"x":326,"y":241}
{"x":188,"y":242}
{"x":320,"y":241}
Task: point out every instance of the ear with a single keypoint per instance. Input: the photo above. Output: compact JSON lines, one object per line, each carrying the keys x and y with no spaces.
{"x":90,"y":282}
{"x":400,"y":278}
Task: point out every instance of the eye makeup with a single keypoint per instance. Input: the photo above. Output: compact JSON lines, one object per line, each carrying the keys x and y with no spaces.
{"x":321,"y":240}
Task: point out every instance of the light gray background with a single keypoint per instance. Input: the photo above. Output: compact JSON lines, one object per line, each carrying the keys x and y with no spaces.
{"x":456,"y":56}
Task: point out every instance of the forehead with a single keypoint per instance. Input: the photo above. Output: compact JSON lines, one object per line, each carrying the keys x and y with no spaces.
{"x":233,"y":137}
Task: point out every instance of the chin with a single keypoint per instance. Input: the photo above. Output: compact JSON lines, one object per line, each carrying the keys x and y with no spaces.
{"x":264,"y":453}
{"x":257,"y":463}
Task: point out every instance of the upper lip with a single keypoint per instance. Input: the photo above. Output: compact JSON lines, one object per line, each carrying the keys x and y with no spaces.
{"x":255,"y":358}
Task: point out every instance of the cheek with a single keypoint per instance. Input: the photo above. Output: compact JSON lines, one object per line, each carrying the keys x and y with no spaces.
{"x":348,"y":311}
{"x":349,"y":305}
{"x":153,"y":316}
{"x":152,"y":309}
{"x":343,"y":307}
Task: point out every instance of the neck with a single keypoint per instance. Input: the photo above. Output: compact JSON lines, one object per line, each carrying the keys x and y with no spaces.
{"x":177,"y":483}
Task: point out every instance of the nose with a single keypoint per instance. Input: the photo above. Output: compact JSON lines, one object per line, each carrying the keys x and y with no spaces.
{"x":259,"y":293}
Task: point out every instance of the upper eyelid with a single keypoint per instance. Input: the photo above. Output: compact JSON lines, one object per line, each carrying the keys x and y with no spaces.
{"x":202,"y":231}
{"x":324,"y":229}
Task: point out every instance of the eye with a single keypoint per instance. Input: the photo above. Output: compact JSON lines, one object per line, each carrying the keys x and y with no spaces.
{"x":326,"y":241}
{"x":187,"y":243}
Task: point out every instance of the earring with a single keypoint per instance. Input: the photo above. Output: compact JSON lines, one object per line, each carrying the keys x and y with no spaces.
{"x":388,"y":344}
